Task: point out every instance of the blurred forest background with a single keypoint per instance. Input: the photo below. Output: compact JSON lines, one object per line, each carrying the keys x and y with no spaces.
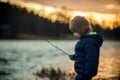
{"x":17,"y":23}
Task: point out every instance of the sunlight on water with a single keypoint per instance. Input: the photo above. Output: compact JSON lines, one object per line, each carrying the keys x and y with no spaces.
{"x":24,"y":57}
{"x":109,"y":67}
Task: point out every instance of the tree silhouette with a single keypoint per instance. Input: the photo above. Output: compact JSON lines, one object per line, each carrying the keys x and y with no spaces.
{"x":16,"y":22}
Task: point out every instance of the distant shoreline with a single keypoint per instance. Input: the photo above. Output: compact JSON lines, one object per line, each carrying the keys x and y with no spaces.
{"x":43,"y":37}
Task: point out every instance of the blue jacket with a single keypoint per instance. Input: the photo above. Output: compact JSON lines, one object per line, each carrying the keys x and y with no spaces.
{"x":87,"y":55}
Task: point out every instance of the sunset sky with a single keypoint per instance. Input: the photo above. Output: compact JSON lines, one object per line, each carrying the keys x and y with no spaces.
{"x":102,"y":6}
{"x":99,"y":11}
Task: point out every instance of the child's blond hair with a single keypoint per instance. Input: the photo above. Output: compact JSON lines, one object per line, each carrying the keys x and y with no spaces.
{"x":79,"y":21}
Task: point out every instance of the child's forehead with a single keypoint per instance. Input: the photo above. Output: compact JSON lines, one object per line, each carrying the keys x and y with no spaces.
{"x":75,"y":29}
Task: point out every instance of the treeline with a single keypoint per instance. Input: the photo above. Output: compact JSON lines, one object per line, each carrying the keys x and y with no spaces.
{"x":17,"y":23}
{"x":108,"y":34}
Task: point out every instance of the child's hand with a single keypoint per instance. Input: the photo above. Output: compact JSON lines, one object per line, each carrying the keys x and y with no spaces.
{"x":72,"y":57}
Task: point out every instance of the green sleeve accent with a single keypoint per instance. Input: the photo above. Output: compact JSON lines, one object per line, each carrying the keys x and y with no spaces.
{"x":92,"y":33}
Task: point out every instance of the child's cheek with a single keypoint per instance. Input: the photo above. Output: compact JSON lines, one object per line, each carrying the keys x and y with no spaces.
{"x":76,"y":35}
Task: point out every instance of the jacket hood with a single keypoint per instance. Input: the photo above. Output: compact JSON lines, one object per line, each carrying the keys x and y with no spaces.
{"x":96,"y":37}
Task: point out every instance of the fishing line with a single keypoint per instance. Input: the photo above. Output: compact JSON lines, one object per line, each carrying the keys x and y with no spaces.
{"x":63,"y":52}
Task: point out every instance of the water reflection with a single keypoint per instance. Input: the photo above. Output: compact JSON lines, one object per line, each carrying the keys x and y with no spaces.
{"x":19,"y":59}
{"x":109,"y":65}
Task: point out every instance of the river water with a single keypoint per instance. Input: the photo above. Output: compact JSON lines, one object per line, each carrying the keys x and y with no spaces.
{"x":19,"y":59}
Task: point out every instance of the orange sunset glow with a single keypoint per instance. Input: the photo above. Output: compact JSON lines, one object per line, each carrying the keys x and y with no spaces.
{"x":106,"y":20}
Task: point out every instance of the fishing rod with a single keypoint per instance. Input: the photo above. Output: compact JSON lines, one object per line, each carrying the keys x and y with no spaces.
{"x":63,"y":52}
